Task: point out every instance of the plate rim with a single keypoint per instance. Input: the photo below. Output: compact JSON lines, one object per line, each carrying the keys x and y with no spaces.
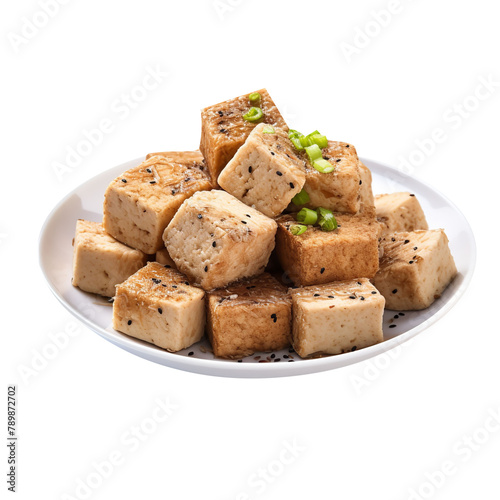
{"x":231,"y":369}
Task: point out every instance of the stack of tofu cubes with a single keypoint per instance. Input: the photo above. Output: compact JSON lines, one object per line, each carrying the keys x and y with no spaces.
{"x":200,"y":242}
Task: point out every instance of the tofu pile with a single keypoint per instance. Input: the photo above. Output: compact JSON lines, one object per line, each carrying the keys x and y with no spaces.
{"x":205,"y":243}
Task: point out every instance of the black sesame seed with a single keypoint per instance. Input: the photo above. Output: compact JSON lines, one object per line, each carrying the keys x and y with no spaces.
{"x":277,"y":359}
{"x":410,"y":262}
{"x":221,"y":113}
{"x":214,"y":244}
{"x":174,"y":286}
{"x":347,"y":145}
{"x":244,"y":222}
{"x":292,"y":185}
{"x":331,"y":297}
{"x":206,"y":268}
{"x":285,"y":356}
{"x":148,"y":170}
{"x":156,"y":280}
{"x":359,"y":283}
{"x":290,"y":350}
{"x":352,"y":296}
{"x":279,"y":173}
{"x":274,"y":317}
{"x":163,"y":284}
{"x":354,"y":348}
{"x":152,"y":182}
{"x":187,"y":179}
{"x":290,"y":360}
{"x":393,"y":239}
{"x":167,"y":266}
{"x":392,"y":326}
{"x":360,"y":182}
{"x":338,"y":160}
{"x":322,"y":270}
{"x":407,"y":241}
{"x":240,"y":361}
{"x":396,"y":316}
{"x":326,"y":157}
{"x":374,"y":292}
{"x":200,"y":216}
{"x":273,"y":355}
{"x":222,"y":130}
{"x":251,"y":286}
{"x":412,"y":194}
{"x":129,"y":322}
{"x":248,"y":216}
{"x":186,"y":283}
{"x":316,"y":295}
{"x":124,"y":180}
{"x":250,"y":170}
{"x":173,"y":191}
{"x":272,"y":153}
{"x":361,"y":298}
{"x":160,"y":310}
{"x":415,"y":248}
{"x":395,"y":290}
{"x":190,"y":353}
{"x":401,"y":314}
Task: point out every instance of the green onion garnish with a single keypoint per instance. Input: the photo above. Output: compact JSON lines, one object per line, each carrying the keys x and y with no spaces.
{"x":314,"y":152}
{"x":253,"y":115}
{"x":295,"y":136}
{"x":326,"y":219}
{"x":297,"y":229}
{"x":254,"y":97}
{"x":268,"y":129}
{"x":301,"y":198}
{"x":323,"y":166}
{"x":319,"y":139}
{"x":307,"y":216}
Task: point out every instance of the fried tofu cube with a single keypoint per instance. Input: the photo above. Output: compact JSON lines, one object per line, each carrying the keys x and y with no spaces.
{"x":415,"y":269}
{"x":336,"y":317}
{"x":317,"y":256}
{"x":266,"y":172}
{"x":249,"y":316}
{"x":162,"y":257}
{"x":216,"y":239}
{"x":159,"y":306}
{"x":224,"y":130}
{"x":367,"y":200}
{"x":340,"y":190}
{"x":99,"y":261}
{"x":139,"y":204}
{"x":399,"y":212}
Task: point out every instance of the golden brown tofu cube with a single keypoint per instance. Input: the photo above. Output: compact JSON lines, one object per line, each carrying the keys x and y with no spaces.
{"x":340,"y":190}
{"x":215,"y":239}
{"x":159,"y":306}
{"x":399,"y":212}
{"x":317,"y":256}
{"x":415,"y":269}
{"x":336,"y":317}
{"x":249,"y":316}
{"x":140,"y":203}
{"x":367,"y":200}
{"x":224,"y":130}
{"x":99,"y":261}
{"x":266,"y":172}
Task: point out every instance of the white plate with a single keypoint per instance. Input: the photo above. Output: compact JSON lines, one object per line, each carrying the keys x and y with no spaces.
{"x":85,"y":202}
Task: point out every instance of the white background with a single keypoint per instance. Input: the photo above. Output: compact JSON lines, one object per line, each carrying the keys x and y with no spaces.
{"x":375,"y":430}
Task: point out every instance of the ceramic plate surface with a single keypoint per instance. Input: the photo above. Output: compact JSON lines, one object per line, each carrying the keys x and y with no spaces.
{"x":85,"y":202}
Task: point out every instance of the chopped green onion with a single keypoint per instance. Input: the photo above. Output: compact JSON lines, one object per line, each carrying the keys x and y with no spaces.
{"x":313,"y":152}
{"x":297,"y":229}
{"x":254,"y":97}
{"x":268,"y":129}
{"x":295,"y":136}
{"x":318,"y":139}
{"x":307,"y":216}
{"x":323,"y":166}
{"x":326,"y":219}
{"x":301,"y":198}
{"x":253,"y":115}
